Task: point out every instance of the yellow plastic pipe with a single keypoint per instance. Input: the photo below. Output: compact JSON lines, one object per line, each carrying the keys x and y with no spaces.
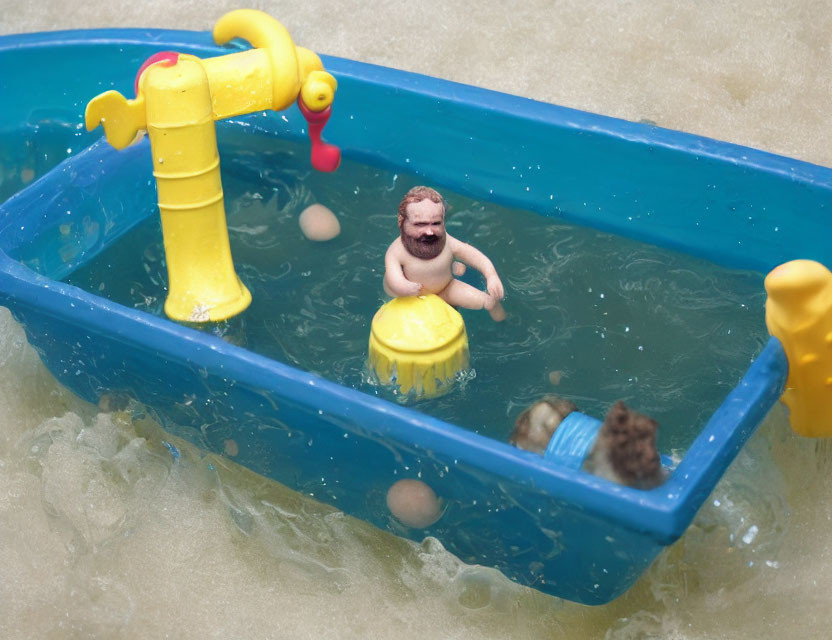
{"x":177,"y":102}
{"x":202,"y":283}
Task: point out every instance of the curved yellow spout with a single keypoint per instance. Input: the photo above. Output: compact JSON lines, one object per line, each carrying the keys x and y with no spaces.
{"x":290,"y":66}
{"x":178,"y":100}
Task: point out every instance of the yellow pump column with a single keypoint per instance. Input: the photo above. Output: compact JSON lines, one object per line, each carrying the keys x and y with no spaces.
{"x":203,"y":284}
{"x":178,"y":98}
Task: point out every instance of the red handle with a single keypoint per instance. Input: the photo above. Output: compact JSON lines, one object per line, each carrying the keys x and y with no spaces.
{"x":171,"y":57}
{"x":325,"y":157}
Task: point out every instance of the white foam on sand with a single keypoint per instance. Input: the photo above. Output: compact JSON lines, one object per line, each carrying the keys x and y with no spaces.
{"x":104,"y":534}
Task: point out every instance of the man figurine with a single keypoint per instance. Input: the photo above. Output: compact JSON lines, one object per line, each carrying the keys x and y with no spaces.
{"x":421,"y":259}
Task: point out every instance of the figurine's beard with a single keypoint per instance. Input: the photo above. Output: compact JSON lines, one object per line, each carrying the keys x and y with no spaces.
{"x":424,"y":247}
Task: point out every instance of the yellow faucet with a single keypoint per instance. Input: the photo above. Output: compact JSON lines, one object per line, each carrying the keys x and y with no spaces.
{"x":178,"y":99}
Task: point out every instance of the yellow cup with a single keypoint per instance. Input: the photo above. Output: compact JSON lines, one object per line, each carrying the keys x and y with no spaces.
{"x":419,"y":344}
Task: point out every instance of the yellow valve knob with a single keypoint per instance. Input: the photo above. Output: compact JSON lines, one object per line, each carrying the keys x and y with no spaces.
{"x":122,"y":118}
{"x":318,"y":90}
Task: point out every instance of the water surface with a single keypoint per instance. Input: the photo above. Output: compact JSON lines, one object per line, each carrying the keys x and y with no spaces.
{"x":605,"y":317}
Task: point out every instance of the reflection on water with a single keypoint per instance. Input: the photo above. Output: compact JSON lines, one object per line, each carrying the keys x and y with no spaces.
{"x":105,"y":521}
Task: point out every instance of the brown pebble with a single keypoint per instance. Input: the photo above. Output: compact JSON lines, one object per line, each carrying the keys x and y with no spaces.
{"x":104,"y":403}
{"x":231,"y":447}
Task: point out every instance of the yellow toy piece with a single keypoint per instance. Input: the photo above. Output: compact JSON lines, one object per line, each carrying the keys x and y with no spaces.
{"x":122,"y":118}
{"x":419,"y":343}
{"x":799,"y":314}
{"x":177,"y":102}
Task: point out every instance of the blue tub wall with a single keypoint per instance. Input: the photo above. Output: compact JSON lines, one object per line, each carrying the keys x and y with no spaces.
{"x":734,"y":205}
{"x":563,"y":532}
{"x":542,"y":526}
{"x":566,"y":533}
{"x":73,"y":212}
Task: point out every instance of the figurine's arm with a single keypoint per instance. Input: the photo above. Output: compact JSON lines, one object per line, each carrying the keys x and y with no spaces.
{"x":395,"y":282}
{"x":477,"y":259}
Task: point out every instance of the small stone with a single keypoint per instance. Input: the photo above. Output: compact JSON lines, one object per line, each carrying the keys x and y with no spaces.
{"x":319,"y":223}
{"x":413,"y":503}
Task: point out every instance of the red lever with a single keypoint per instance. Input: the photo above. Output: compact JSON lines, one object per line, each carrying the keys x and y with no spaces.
{"x":325,"y":157}
{"x":171,"y":57}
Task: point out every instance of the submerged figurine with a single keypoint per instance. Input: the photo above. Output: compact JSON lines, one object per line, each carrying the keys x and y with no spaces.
{"x":536,"y":425}
{"x":421,"y":260}
{"x":624,"y":451}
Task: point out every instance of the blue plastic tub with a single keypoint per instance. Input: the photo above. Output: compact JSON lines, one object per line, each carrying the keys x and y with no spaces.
{"x":541,"y":523}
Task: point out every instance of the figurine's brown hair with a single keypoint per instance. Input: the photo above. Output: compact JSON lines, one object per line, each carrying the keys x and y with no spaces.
{"x":534,"y":436}
{"x":417,"y":194}
{"x":629,"y":438}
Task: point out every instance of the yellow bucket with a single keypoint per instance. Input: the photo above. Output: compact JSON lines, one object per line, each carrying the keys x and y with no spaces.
{"x":419,"y":344}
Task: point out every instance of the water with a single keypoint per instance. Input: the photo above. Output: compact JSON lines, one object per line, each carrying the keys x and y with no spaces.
{"x":104,"y":529}
{"x":27,"y":154}
{"x":612,"y":318}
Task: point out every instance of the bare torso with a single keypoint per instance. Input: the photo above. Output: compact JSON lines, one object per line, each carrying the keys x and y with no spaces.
{"x":409,"y":275}
{"x":434,"y":274}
